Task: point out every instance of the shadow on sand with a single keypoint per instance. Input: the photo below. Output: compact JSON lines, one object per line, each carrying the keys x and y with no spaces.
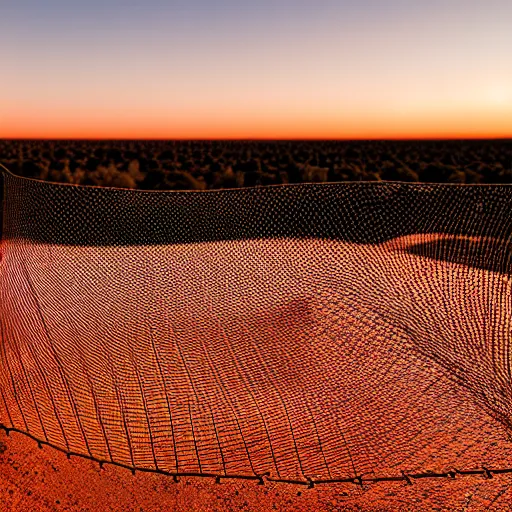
{"x":490,"y":254}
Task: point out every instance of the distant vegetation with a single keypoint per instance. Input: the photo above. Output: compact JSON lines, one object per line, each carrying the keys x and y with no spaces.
{"x":200,"y":165}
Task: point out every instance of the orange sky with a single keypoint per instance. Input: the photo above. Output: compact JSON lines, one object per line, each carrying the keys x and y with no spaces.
{"x":281,"y":69}
{"x":126,"y":126}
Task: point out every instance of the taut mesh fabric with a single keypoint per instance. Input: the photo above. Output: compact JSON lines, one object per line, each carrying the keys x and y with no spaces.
{"x":316,"y":331}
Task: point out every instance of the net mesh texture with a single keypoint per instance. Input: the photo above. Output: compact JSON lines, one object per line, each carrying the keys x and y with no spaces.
{"x":304,"y":333}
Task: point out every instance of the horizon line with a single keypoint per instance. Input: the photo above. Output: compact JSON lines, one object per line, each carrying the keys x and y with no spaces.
{"x":264,"y":139}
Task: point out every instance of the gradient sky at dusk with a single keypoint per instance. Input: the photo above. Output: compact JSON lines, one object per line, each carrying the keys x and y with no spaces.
{"x":266,"y":69}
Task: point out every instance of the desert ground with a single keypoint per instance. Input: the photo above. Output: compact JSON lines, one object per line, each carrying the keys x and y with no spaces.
{"x":427,"y":391}
{"x":45,"y":480}
{"x":400,"y":358}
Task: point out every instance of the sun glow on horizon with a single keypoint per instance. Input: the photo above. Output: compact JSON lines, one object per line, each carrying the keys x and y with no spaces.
{"x":499,"y":95}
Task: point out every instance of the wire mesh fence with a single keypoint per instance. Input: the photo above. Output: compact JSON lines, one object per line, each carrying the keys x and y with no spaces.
{"x":305,"y":334}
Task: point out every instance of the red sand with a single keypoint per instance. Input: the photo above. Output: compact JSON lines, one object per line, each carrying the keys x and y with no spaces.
{"x":396,"y":398}
{"x":44,"y":480}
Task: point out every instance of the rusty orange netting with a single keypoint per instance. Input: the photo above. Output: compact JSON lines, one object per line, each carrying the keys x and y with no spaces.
{"x":303,"y":333}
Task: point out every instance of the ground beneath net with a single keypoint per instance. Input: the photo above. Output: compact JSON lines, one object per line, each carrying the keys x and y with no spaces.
{"x":424,"y":398}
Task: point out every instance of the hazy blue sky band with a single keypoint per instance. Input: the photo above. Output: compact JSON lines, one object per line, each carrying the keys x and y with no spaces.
{"x":96,"y":14}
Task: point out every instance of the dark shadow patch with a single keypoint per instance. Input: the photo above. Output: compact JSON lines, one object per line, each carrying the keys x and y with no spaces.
{"x":490,"y":254}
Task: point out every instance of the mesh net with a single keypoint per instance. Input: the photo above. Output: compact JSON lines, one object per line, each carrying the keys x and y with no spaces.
{"x":305,"y":332}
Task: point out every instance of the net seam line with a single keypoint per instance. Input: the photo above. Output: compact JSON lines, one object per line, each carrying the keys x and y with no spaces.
{"x":6,"y":171}
{"x":408,"y":478}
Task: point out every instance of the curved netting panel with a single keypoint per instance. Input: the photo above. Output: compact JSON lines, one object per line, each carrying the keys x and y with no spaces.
{"x":317,"y":331}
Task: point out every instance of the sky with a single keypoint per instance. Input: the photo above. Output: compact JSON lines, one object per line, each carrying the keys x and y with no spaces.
{"x":271,"y":69}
